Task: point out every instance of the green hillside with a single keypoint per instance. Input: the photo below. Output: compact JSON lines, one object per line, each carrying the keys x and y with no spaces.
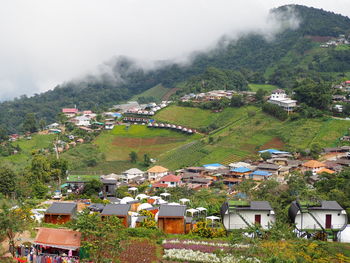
{"x":244,"y":137}
{"x":22,"y":159}
{"x":154,"y":94}
{"x":292,"y":54}
{"x":199,"y":118}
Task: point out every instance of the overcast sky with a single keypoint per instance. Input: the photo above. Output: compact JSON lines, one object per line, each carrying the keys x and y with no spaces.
{"x":46,"y":42}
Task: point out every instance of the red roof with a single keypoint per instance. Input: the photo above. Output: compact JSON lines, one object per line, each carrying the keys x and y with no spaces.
{"x":347,"y":82}
{"x":70,"y":110}
{"x":58,"y":238}
{"x":170,"y":178}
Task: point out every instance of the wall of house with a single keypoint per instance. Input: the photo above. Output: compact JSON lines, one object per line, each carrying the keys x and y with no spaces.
{"x":233,"y":221}
{"x":172,"y":225}
{"x":305,"y":221}
{"x":156,"y":176}
{"x":57,"y":219}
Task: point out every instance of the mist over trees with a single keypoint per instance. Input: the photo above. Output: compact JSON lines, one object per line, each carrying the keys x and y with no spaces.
{"x":231,"y":65}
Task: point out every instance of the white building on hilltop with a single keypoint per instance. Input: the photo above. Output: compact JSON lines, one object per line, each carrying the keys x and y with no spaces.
{"x":280,"y":98}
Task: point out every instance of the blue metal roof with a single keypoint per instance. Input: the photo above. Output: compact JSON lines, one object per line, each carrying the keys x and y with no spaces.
{"x":241,"y":170}
{"x":262,"y":173}
{"x":213,"y":165}
{"x":272,"y":151}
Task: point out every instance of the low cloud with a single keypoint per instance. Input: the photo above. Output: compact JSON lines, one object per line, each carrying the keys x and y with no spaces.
{"x":45,"y":43}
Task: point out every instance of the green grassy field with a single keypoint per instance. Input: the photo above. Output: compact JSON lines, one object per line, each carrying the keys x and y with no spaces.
{"x":243,"y":138}
{"x":157,"y":92}
{"x":27,"y":146}
{"x":118,"y":143}
{"x":268,"y":88}
{"x":198,"y":118}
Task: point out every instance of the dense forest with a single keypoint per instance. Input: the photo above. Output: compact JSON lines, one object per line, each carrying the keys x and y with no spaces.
{"x":252,"y":58}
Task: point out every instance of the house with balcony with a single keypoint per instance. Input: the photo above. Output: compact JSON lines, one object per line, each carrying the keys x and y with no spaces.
{"x":245,"y":214}
{"x":280,"y":98}
{"x":323,"y":216}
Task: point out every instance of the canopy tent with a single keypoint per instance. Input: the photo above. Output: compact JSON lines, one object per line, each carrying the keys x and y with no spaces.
{"x":202,"y":210}
{"x":126,"y":200}
{"x":213,"y":218}
{"x":155,"y":197}
{"x":160,"y":202}
{"x":165,"y":195}
{"x":141,"y":196}
{"x":133,"y":189}
{"x":184,"y":200}
{"x":192,"y":211}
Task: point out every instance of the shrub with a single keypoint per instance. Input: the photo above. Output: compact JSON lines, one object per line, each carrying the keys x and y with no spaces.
{"x":204,"y":230}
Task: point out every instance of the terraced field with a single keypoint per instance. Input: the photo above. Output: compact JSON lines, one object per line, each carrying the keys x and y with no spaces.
{"x":118,"y":143}
{"x":242,"y":138}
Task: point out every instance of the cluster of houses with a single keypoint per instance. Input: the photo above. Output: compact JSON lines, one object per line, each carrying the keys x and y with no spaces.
{"x":134,"y":108}
{"x":215,"y":95}
{"x":310,"y":217}
{"x":64,"y":245}
{"x":277,"y":167}
{"x":340,"y":40}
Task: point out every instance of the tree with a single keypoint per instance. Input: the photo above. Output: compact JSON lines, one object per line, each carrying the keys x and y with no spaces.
{"x":133,"y":157}
{"x":101,"y":238}
{"x":8,"y":181}
{"x":146,"y":160}
{"x":92,"y":187}
{"x":3,"y":133}
{"x":42,"y":124}
{"x":237,"y":101}
{"x":259,"y":95}
{"x":315,"y":150}
{"x":30,"y":123}
{"x":314,"y":94}
{"x":13,"y":222}
{"x":265,"y":155}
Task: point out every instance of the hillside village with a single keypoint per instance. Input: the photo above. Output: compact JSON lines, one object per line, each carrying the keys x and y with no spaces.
{"x":157,"y":197}
{"x":243,"y":156}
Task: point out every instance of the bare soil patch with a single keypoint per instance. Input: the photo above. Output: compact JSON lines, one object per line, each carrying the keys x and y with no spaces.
{"x":169,"y":93}
{"x":274,"y":143}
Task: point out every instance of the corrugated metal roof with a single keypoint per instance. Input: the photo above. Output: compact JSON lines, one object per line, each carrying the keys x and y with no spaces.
{"x":116,"y":210}
{"x":62,"y":208}
{"x":241,"y":170}
{"x":172,"y":211}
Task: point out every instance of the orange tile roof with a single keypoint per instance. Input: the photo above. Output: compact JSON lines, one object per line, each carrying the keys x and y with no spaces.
{"x":157,"y":169}
{"x":325,"y":170}
{"x":313,"y":164}
{"x":58,"y":238}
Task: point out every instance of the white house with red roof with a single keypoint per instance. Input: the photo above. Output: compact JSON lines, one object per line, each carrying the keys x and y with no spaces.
{"x":168,"y":181}
{"x":70,"y":112}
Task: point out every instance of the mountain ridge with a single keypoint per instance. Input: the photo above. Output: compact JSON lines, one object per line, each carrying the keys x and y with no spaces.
{"x":253,"y":52}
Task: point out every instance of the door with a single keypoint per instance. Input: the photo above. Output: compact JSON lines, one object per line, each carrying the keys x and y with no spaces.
{"x":329,"y":221}
{"x":258,"y":219}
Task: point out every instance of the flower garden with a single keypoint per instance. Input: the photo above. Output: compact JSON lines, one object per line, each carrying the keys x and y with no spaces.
{"x":202,"y":251}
